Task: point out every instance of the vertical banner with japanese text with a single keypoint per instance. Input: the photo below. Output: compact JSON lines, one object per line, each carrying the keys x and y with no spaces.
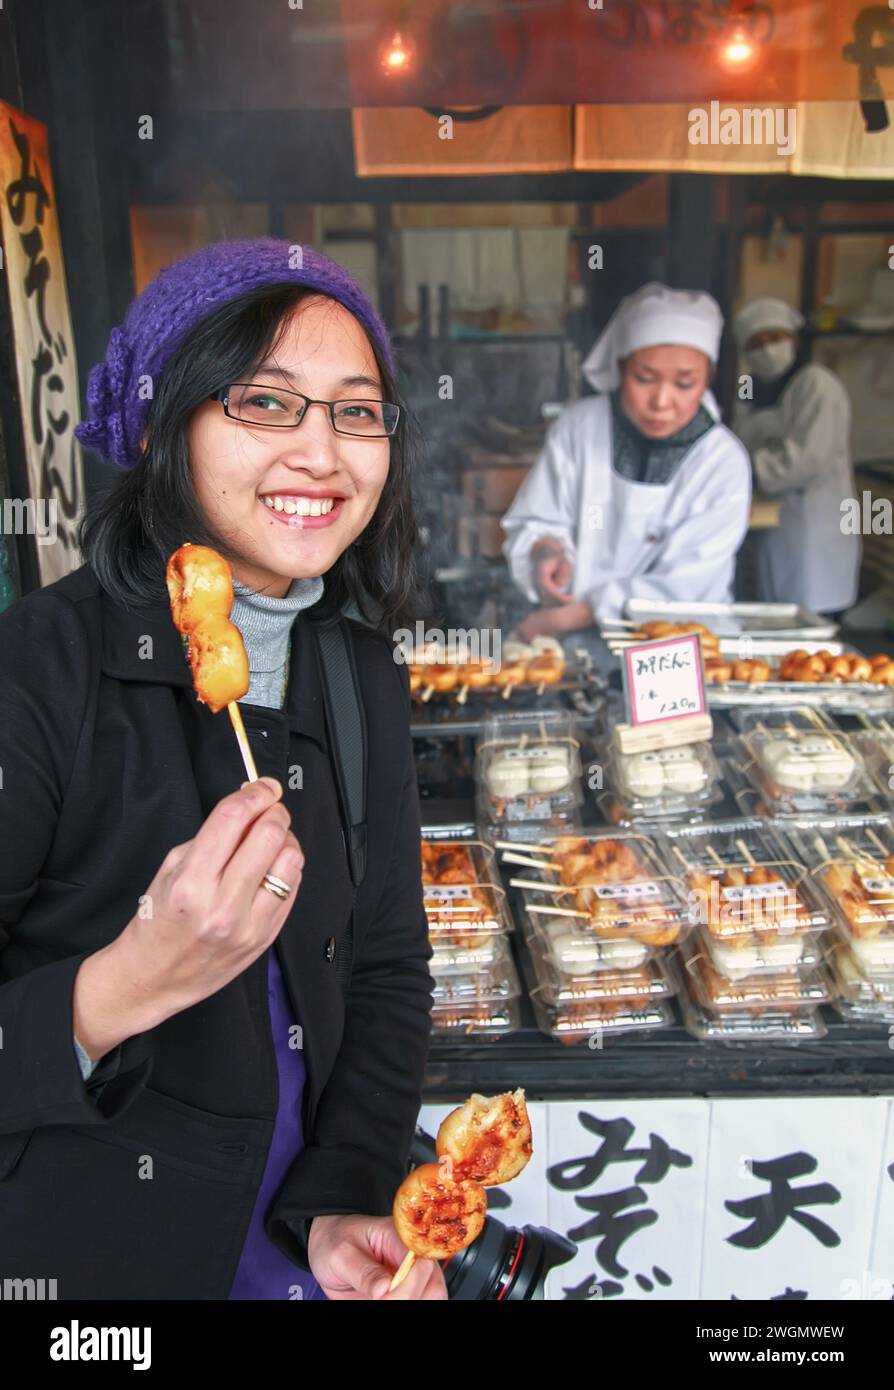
{"x":43,"y":347}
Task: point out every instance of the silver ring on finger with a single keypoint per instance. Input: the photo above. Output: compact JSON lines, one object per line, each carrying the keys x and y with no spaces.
{"x":277,"y":886}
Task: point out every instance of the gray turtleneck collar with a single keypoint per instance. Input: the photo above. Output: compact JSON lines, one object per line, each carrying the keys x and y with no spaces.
{"x":266,"y":625}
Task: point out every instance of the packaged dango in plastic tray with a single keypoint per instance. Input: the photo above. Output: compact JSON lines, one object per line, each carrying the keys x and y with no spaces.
{"x":481,"y":1018}
{"x":783,"y":952}
{"x":587,"y":1020}
{"x":746,"y":889}
{"x":557,"y":988}
{"x":869,"y":995}
{"x":450,"y":957}
{"x":612,"y":884}
{"x":852,"y":864}
{"x":462,"y":900}
{"x":804,"y":766}
{"x":666,"y":782}
{"x":493,"y":983}
{"x":528,"y":768}
{"x":573,"y":950}
{"x":876,"y":747}
{"x":784,"y":990}
{"x":757,"y":1024}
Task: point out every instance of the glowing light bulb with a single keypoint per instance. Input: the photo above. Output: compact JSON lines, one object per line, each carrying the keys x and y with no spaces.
{"x":397,"y":54}
{"x":739,"y":50}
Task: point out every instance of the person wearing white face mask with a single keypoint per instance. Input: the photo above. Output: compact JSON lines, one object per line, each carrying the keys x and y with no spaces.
{"x":639,"y":492}
{"x":797,"y":430}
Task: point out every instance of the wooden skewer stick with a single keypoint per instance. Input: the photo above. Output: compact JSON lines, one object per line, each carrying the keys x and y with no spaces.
{"x":520,"y":844}
{"x":561,"y":912}
{"x":876,"y":841}
{"x":427,"y":694}
{"x":461,"y":697}
{"x":235,"y":714}
{"x":716,"y":857}
{"x":401,"y":1273}
{"x":682,"y":858}
{"x":859,"y":855}
{"x":511,"y":858}
{"x":821,"y":845}
{"x":746,"y":854}
{"x":543,"y":887}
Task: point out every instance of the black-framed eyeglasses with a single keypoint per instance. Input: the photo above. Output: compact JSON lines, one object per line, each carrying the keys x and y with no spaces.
{"x":272,"y":407}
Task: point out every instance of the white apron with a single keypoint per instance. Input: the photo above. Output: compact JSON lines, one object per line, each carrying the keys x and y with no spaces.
{"x":631,"y":540}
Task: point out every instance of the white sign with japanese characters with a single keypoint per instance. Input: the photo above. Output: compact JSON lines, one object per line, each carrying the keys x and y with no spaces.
{"x":663,"y":680}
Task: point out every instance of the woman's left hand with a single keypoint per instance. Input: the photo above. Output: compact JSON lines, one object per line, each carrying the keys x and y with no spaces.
{"x":549,"y":622}
{"x":355,"y":1257}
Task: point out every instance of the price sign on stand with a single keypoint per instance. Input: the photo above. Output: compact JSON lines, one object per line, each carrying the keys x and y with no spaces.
{"x":663,"y":680}
{"x":664,"y":694}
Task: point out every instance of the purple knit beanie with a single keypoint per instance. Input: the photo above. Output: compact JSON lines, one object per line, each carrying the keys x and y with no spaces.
{"x":173,"y":304}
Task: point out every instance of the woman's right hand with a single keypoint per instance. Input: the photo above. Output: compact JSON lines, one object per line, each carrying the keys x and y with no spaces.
{"x":203,"y":920}
{"x":551,"y":570}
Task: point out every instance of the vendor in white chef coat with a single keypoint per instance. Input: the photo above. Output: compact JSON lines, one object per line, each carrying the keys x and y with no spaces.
{"x":797,"y":430}
{"x":639,"y":492}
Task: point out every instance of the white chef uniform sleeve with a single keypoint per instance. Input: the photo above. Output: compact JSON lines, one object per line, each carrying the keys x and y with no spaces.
{"x":545,"y":504}
{"x":816,"y":412}
{"x":697,"y":560}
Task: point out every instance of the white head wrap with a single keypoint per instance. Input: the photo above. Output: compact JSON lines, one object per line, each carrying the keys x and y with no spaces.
{"x":652,"y":316}
{"x":765,"y":313}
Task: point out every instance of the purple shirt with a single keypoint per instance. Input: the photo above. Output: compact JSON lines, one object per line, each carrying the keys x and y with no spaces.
{"x":264,"y":1271}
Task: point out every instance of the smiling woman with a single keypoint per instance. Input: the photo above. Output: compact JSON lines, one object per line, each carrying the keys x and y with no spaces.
{"x":195,"y":973}
{"x":278,"y":398}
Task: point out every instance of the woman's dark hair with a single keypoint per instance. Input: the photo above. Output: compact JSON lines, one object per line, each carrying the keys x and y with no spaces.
{"x":128,"y":536}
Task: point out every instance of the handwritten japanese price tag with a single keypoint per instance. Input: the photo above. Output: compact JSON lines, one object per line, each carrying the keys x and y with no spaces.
{"x":663,"y":680}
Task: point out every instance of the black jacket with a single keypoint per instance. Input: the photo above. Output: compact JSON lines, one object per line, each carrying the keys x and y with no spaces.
{"x":107,"y":760}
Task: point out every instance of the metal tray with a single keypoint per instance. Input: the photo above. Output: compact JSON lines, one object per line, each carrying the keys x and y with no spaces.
{"x":737,"y":619}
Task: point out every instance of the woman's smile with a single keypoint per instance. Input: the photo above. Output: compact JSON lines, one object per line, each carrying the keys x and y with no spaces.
{"x":302,"y":510}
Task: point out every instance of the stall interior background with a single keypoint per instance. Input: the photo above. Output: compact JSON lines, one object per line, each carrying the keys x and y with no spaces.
{"x":479,"y":259}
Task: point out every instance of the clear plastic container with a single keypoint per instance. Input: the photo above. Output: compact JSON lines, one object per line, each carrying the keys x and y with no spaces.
{"x":852,"y":866}
{"x":762,"y":1024}
{"x":785,"y":952}
{"x":528,"y":768}
{"x":748,"y":719}
{"x":746,"y":889}
{"x":449,"y":958}
{"x":854,"y":987}
{"x":574,"y":950}
{"x":557,"y":988}
{"x":492,"y":984}
{"x":590,"y":1019}
{"x":801,"y":771}
{"x":677,"y":783}
{"x":782,"y":991}
{"x":462,"y":897}
{"x":610,"y":883}
{"x":481,"y":1019}
{"x":877,"y":751}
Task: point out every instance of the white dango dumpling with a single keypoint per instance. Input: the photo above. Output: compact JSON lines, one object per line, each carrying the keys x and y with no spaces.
{"x":810,"y":762}
{"x":643,"y":773}
{"x":737,"y":961}
{"x":549,"y":768}
{"x":833,"y":766}
{"x":786,"y":764}
{"x":579,"y":953}
{"x":683,"y":770}
{"x":507,"y":776}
